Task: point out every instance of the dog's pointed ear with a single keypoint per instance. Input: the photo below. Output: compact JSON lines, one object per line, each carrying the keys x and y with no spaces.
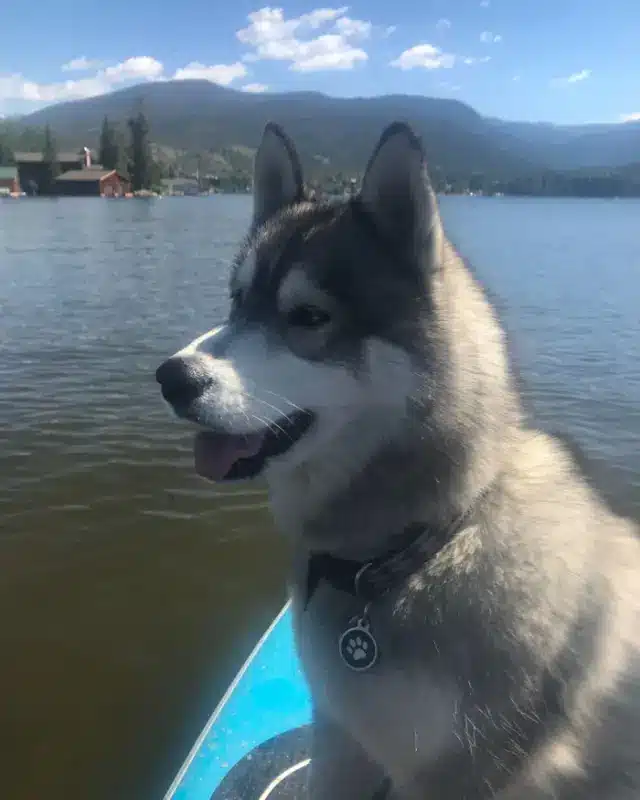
{"x":397,"y":193}
{"x":277,"y":175}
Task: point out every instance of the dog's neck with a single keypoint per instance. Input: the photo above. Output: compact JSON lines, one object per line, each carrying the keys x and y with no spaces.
{"x":414,"y":547}
{"x":367,"y":514}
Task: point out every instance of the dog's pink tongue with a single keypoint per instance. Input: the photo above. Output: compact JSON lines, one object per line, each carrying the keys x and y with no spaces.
{"x":216,"y":453}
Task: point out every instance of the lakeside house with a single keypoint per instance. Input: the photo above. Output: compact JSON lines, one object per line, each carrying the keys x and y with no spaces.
{"x":9,"y":182}
{"x":32,"y":168}
{"x":79,"y":177}
{"x":92,"y":181}
{"x":181,"y":186}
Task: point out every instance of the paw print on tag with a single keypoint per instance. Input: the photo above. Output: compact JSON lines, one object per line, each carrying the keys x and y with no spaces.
{"x":358,"y":649}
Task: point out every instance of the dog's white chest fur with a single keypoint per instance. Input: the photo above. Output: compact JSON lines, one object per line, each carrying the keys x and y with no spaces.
{"x":401,"y":716}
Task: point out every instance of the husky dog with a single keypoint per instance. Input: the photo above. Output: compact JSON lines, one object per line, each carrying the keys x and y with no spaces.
{"x":465,"y":604}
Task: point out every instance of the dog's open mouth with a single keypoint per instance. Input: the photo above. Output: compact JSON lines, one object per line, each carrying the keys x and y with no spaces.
{"x":235,"y":457}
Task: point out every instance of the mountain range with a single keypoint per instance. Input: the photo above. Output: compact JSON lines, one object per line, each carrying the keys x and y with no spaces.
{"x":338,"y":133}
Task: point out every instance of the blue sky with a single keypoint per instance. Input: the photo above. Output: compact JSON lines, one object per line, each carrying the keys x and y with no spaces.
{"x":562,"y":61}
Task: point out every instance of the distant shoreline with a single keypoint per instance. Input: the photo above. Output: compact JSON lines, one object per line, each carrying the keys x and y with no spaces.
{"x":161,"y":196}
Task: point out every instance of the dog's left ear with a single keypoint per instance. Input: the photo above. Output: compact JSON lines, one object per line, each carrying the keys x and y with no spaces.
{"x":397,"y":193}
{"x":277,"y":175}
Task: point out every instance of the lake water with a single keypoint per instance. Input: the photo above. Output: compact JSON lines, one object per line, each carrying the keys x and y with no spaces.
{"x":130,"y":591}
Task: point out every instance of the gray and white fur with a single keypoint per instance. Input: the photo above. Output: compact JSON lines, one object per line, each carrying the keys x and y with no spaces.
{"x":510,"y":663}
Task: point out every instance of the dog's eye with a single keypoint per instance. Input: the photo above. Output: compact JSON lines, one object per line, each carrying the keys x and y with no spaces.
{"x":306,"y":316}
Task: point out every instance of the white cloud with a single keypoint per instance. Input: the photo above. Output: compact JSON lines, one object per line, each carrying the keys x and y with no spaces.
{"x":329,"y":52}
{"x":16,"y":88}
{"x":389,"y":30}
{"x":299,"y":41}
{"x":133,"y":69}
{"x":490,"y":38}
{"x":426,"y":56}
{"x":322,"y":39}
{"x":81,"y":64}
{"x":222,"y":74}
{"x":356,"y":28}
{"x":485,"y":3}
{"x":255,"y":88}
{"x":443,"y":24}
{"x":471,"y":61}
{"x":575,"y":77}
{"x":139,"y":68}
{"x":633,"y":117}
{"x":516,"y":78}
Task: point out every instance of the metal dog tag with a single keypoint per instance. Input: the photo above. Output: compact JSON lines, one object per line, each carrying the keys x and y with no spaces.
{"x":358,"y":647}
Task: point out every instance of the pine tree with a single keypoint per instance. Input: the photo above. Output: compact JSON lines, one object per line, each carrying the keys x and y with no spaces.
{"x":6,"y":152}
{"x":140,"y":158}
{"x":51,"y":167}
{"x":123,"y":151}
{"x":109,"y":155}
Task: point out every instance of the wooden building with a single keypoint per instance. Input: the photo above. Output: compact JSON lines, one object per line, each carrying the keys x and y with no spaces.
{"x":32,"y":169}
{"x":9,"y":183}
{"x":92,"y":181}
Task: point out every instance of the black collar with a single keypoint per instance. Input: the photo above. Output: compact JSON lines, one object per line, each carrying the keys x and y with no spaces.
{"x":368,"y":580}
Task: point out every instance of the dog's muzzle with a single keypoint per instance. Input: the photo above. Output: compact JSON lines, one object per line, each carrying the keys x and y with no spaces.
{"x":183,"y":379}
{"x":220,"y":453}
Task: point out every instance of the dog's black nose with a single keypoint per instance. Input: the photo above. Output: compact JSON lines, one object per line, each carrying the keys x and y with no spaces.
{"x":182,"y":380}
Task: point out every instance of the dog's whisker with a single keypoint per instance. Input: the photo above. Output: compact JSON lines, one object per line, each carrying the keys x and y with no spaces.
{"x":285,"y":399}
{"x":269,"y":423}
{"x":247,"y":417}
{"x":278,"y":411}
{"x":272,"y":426}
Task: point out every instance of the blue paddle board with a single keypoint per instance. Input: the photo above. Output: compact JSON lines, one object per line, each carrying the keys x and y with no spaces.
{"x":255,"y":746}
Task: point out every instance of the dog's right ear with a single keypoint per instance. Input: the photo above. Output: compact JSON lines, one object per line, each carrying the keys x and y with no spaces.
{"x":397,"y":193}
{"x":277,"y":175}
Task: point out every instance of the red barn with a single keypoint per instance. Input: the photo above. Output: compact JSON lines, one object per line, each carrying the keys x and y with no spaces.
{"x":9,"y":183}
{"x":92,"y":182}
